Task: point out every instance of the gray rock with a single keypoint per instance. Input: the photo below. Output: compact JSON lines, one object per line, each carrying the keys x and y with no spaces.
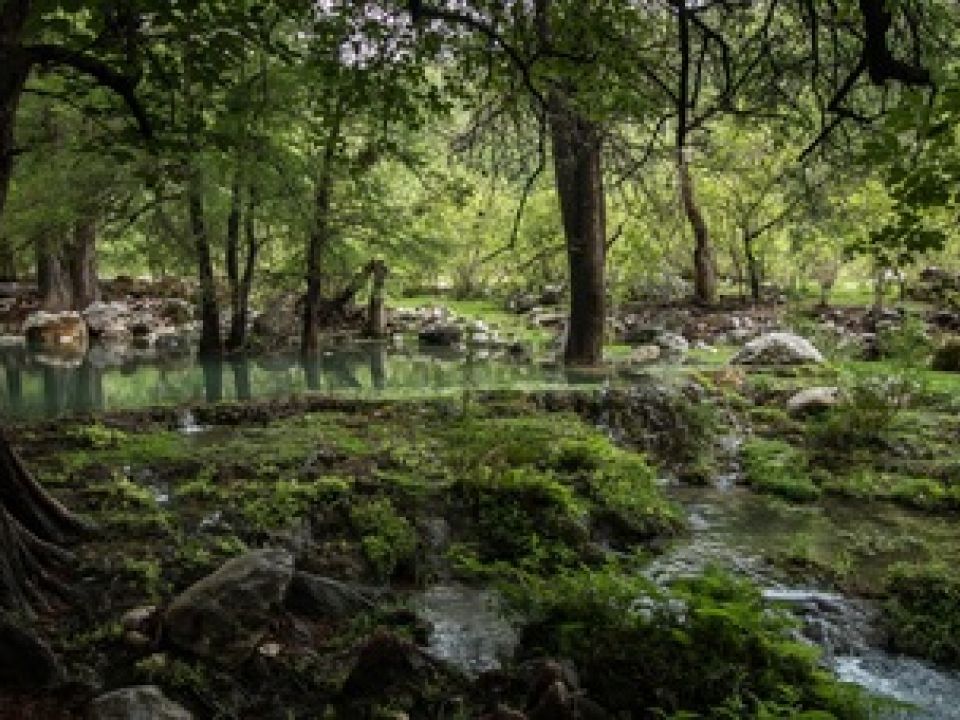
{"x":317,"y":596}
{"x":673,"y":344}
{"x":645,"y":354}
{"x":146,"y":702}
{"x":778,"y":348}
{"x":224,"y":616}
{"x":811,"y":401}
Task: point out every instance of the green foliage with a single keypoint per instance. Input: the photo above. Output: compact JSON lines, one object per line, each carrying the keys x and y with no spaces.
{"x":778,"y":468}
{"x":923,"y":612}
{"x":908,"y":342}
{"x":387,"y":537}
{"x":708,"y":648}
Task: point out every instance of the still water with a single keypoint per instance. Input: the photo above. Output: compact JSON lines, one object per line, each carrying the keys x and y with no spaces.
{"x":31,"y":388}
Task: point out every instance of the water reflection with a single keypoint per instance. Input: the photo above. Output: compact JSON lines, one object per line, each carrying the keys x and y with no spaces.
{"x":35,"y":387}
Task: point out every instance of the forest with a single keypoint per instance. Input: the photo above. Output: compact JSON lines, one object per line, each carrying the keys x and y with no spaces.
{"x":479,"y":359}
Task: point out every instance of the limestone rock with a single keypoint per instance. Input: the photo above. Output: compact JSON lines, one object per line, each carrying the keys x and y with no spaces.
{"x":224,"y":616}
{"x":778,"y":348}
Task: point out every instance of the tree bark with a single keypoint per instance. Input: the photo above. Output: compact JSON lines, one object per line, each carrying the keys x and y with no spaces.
{"x":82,"y":264}
{"x":241,"y":308}
{"x":704,"y":262}
{"x":579,"y":181}
{"x":235,"y":339}
{"x":32,"y":526}
{"x":53,"y":277}
{"x":753,"y":266}
{"x":210,"y":344}
{"x":376,"y":315}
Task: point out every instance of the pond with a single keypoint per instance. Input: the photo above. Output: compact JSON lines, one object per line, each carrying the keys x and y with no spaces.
{"x":34,"y":388}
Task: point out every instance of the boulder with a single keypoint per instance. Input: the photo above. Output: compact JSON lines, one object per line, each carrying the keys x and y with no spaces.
{"x":63,"y":332}
{"x":146,"y":702}
{"x":811,"y":401}
{"x":441,"y":334}
{"x":672,"y":344}
{"x":225,"y":615}
{"x":108,"y":320}
{"x":316,"y":596}
{"x":778,"y":348}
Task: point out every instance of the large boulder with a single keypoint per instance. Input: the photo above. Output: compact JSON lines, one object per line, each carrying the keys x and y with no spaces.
{"x":146,"y":702}
{"x":778,"y":348}
{"x":62,"y":333}
{"x":225,"y":615}
{"x":108,"y":320}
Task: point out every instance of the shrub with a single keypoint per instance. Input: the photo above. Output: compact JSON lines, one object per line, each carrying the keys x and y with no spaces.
{"x":778,"y":468}
{"x":923,"y":612}
{"x":709,"y":648}
{"x":387,"y":538}
{"x":908,"y":342}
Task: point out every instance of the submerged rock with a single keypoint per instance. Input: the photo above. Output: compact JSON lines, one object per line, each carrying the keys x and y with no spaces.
{"x":224,"y":616}
{"x":146,"y":702}
{"x":778,"y":349}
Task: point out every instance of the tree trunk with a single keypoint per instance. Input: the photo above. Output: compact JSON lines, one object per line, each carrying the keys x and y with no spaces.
{"x":235,"y":339}
{"x":32,"y":526}
{"x":704,"y":264}
{"x":53,"y":277}
{"x":376,"y":315}
{"x":8,"y":261}
{"x":14,"y":69}
{"x":241,"y":307}
{"x":210,"y":345}
{"x":753,"y":267}
{"x":82,"y":264}
{"x":579,"y":181}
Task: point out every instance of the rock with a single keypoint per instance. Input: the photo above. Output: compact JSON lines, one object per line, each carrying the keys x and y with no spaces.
{"x":146,"y":702}
{"x":555,"y":704}
{"x":672,"y":344}
{"x":441,"y":334}
{"x":778,"y":348}
{"x":177,"y":311}
{"x":523,"y":303}
{"x":224,"y":616}
{"x":641,"y":334}
{"x":26,"y":661}
{"x":172,"y":345}
{"x":385,"y":662}
{"x":946,"y":358}
{"x":108,"y":320}
{"x":645,"y":354}
{"x":138,"y":618}
{"x":813,"y":400}
{"x":64,"y":332}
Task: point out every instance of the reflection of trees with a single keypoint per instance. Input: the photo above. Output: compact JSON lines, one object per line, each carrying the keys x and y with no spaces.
{"x":213,"y":380}
{"x":241,"y":379}
{"x":377,"y":353}
{"x":88,"y":396}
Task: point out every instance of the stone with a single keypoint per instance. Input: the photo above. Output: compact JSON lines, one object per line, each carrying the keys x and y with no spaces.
{"x":225,"y":615}
{"x":172,"y":345}
{"x":813,"y":400}
{"x":778,"y":348}
{"x":317,"y":596}
{"x":176,"y":310}
{"x":552,"y":295}
{"x":26,"y":661}
{"x":645,"y":354}
{"x":385,"y":662}
{"x":145,"y":702}
{"x":673,"y":344}
{"x":64,"y":332}
{"x":108,"y":320}
{"x":441,"y":334}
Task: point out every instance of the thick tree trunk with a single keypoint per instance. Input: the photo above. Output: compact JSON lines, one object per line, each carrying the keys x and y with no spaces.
{"x":210,"y":345}
{"x":310,"y":339}
{"x":376,"y":314}
{"x":32,"y":526}
{"x":82,"y":264}
{"x":704,"y":263}
{"x":579,"y":181}
{"x":53,"y":276}
{"x":244,"y":282}
{"x":235,"y":339}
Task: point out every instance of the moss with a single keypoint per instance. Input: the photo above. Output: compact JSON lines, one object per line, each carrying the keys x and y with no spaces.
{"x":387,"y":538}
{"x":778,"y":468}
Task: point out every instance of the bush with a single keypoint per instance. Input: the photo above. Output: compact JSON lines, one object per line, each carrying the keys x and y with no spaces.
{"x":871,"y":404}
{"x":778,"y":468}
{"x":923,"y":612}
{"x":709,"y":648}
{"x":907,"y":343}
{"x":387,"y":538}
